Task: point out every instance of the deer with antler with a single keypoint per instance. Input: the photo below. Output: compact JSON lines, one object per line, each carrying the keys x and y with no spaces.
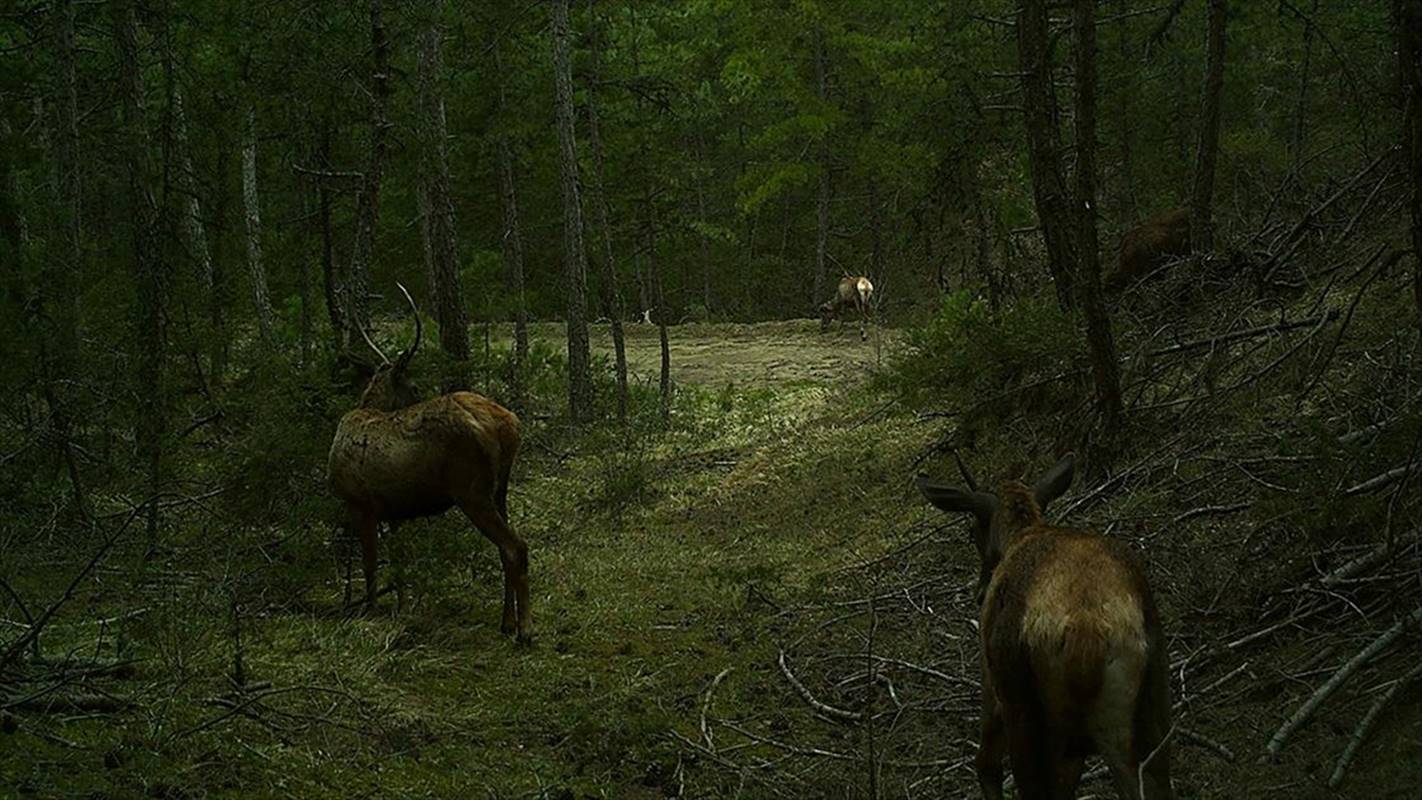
{"x":395,"y":458}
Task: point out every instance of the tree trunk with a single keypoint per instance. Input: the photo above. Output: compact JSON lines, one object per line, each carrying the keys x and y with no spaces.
{"x":330,"y":282}
{"x":654,"y":275}
{"x":357,"y":284}
{"x":1104,"y":366}
{"x":1038,"y":103}
{"x":512,"y":240}
{"x":1202,"y":199}
{"x":612,"y":291}
{"x":252,"y":228}
{"x":705,"y":240}
{"x":438,"y":219}
{"x":217,"y":298}
{"x":580,"y":395}
{"x":822,"y":199}
{"x":876,"y":234}
{"x":150,"y":418}
{"x":194,"y":228}
{"x":1126,"y":91}
{"x":1409,"y":63}
{"x":1301,"y":109}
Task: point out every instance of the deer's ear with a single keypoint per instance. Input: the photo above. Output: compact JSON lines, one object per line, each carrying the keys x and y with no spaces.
{"x":955,"y":500}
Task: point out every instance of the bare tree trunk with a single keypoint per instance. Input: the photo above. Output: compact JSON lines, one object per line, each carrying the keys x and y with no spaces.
{"x":150,"y":419}
{"x":252,"y":227}
{"x":822,"y":199}
{"x":1301,"y":110}
{"x":330,"y":282}
{"x":357,"y":284}
{"x":1202,"y":199}
{"x":580,"y":395}
{"x":612,"y":291}
{"x":512,"y":240}
{"x":1104,"y":366}
{"x":1126,"y":116}
{"x":654,"y":274}
{"x":1409,"y":63}
{"x":1048,"y":185}
{"x":876,"y":233}
{"x":194,"y":229}
{"x":217,"y":298}
{"x":438,"y":219}
{"x":65,"y":263}
{"x":705,"y":240}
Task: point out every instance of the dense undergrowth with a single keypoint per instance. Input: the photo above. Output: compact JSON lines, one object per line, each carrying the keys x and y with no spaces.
{"x":689,"y":571}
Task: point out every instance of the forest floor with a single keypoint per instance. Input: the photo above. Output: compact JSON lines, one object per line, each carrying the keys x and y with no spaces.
{"x":678,"y":581}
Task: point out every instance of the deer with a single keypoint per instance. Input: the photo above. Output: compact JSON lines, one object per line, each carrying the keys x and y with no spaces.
{"x":853,"y":293}
{"x":1074,"y":658}
{"x":1150,"y":245}
{"x":396,"y":458}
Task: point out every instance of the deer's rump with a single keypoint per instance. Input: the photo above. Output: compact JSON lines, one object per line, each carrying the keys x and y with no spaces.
{"x":1065,"y":626}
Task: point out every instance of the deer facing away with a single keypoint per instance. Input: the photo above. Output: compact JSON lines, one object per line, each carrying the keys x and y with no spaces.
{"x":395,"y":458}
{"x":1074,"y":660}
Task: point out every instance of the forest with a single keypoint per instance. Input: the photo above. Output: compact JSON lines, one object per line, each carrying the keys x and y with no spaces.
{"x":711,"y":399}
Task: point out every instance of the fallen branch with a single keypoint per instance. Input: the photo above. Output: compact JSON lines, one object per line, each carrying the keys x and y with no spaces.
{"x":1357,"y":566}
{"x":1327,"y":316}
{"x":823,"y":708}
{"x":1378,"y":481}
{"x":1366,"y":725}
{"x":706,"y":705}
{"x":1340,"y":677}
{"x":1206,"y":742}
{"x":1203,"y":510}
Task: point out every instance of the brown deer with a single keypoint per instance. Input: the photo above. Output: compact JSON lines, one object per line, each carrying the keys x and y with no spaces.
{"x":1150,"y":245}
{"x":854,"y":293}
{"x":1074,"y":661}
{"x":395,"y":458}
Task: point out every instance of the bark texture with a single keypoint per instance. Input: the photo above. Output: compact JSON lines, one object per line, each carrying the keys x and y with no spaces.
{"x":580,"y":396}
{"x":1048,"y":185}
{"x":252,"y":229}
{"x":1102,"y":345}
{"x":1202,"y":199}
{"x":441,"y":245}
{"x":357,"y":284}
{"x":1409,"y":56}
{"x":611,"y":290}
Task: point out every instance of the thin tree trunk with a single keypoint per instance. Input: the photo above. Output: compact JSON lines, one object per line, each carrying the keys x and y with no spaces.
{"x":1202,"y":199}
{"x":330,"y":282}
{"x":822,"y":199}
{"x":1409,"y":63}
{"x":64,"y":269}
{"x":612,"y":291}
{"x":580,"y":396}
{"x":150,"y":418}
{"x":1039,"y":103}
{"x":252,"y":227}
{"x":512,"y":240}
{"x":194,"y":229}
{"x":304,"y":283}
{"x":357,"y":284}
{"x":1301,"y":109}
{"x":876,"y":234}
{"x":1126,"y":116}
{"x":438,"y":219}
{"x":654,"y":274}
{"x":705,"y":240}
{"x":1102,"y":344}
{"x":217,"y":298}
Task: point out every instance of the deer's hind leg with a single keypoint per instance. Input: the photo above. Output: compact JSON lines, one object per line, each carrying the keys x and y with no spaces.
{"x":482,"y":510}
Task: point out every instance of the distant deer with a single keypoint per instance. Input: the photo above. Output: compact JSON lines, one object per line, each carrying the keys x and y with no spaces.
{"x":1148,"y":246}
{"x":853,"y":294}
{"x":1074,"y":661}
{"x":395,"y":458}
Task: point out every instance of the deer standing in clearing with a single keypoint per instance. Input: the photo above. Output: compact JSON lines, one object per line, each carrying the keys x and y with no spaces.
{"x":395,"y":458}
{"x":1074,"y":660}
{"x":854,"y":293}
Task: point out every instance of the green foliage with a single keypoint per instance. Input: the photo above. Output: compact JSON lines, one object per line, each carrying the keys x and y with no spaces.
{"x":966,"y":355}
